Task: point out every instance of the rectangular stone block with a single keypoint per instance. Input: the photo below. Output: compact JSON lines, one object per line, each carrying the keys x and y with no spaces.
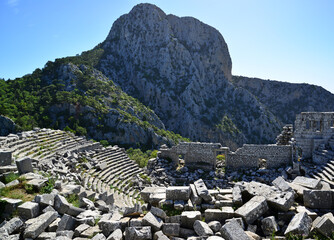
{"x":218,"y":215}
{"x":311,"y":183}
{"x":233,"y":231}
{"x":39,"y":224}
{"x":24,"y":165}
{"x":5,"y":158}
{"x":147,"y":191}
{"x":253,"y":209}
{"x":178,"y":193}
{"x":319,"y":199}
{"x":28,"y":210}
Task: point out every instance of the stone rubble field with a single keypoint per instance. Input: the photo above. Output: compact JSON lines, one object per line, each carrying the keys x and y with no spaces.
{"x":273,"y":208}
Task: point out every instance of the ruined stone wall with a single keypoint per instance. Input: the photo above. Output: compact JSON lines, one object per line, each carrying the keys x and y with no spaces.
{"x":313,"y":129}
{"x":195,"y":154}
{"x":248,"y":156}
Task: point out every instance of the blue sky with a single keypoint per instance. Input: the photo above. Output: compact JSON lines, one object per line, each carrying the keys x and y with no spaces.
{"x":285,"y":40}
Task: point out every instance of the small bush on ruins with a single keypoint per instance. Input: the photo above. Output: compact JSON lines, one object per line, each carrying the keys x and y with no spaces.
{"x":49,"y":186}
{"x":141,"y":157}
{"x":11,"y":177}
{"x":73,"y":199}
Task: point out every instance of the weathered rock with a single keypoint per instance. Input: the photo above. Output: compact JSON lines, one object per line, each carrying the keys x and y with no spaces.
{"x":5,"y":158}
{"x":24,"y":165}
{"x":39,"y":224}
{"x":65,"y":233}
{"x":269,"y":225}
{"x":90,"y":232}
{"x":60,"y":204}
{"x":253,"y":209}
{"x":102,"y":206}
{"x":171,"y":229}
{"x":134,"y":211}
{"x":99,"y":236}
{"x":202,"y":190}
{"x":237,"y":196}
{"x":319,"y":199}
{"x":12,"y":225}
{"x":147,"y":191}
{"x":10,"y":205}
{"x":178,"y":193}
{"x":79,"y":229}
{"x":45,"y":199}
{"x":188,"y":218}
{"x":67,"y":222}
{"x":153,"y":221}
{"x":215,"y":238}
{"x":116,"y":235}
{"x":202,"y":228}
{"x":28,"y":210}
{"x":179,"y":205}
{"x":186,"y":233}
{"x":215,"y":226}
{"x":13,"y":183}
{"x":47,"y":236}
{"x":37,"y":183}
{"x":300,"y":224}
{"x":74,"y":211}
{"x":110,"y":226}
{"x":54,"y":225}
{"x":254,"y":236}
{"x":160,"y":236}
{"x":158,"y":212}
{"x":138,"y":233}
{"x":324,"y":225}
{"x":195,"y":198}
{"x":310,"y":183}
{"x":281,"y":184}
{"x":219,"y":215}
{"x":233,"y":231}
{"x":136,"y":222}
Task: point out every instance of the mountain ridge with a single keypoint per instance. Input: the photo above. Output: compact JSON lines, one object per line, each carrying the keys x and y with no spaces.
{"x":178,"y":68}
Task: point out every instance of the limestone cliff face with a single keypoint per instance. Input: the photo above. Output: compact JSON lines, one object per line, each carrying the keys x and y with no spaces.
{"x":181,"y":68}
{"x":286,"y":100}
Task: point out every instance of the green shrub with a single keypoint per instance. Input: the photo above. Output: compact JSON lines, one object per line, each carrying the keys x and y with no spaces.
{"x":50,"y":184}
{"x":10,"y":177}
{"x":104,"y":143}
{"x":141,"y":157}
{"x":73,"y":199}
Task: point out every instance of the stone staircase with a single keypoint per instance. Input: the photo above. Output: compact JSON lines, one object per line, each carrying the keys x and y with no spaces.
{"x":324,"y":157}
{"x":115,"y":178}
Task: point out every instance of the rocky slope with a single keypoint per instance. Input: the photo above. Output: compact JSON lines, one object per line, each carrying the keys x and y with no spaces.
{"x":284,"y":99}
{"x":181,"y":68}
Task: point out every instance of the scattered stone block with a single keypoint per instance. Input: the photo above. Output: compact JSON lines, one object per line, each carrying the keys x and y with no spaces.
{"x":45,"y":200}
{"x":13,"y":183}
{"x":171,"y":229}
{"x":310,"y":183}
{"x":147,"y":191}
{"x":239,"y":220}
{"x":12,"y":225}
{"x":47,"y":236}
{"x":99,"y":236}
{"x":136,"y":222}
{"x":269,"y":225}
{"x":179,"y":205}
{"x":60,"y":204}
{"x":300,"y":224}
{"x":319,"y":199}
{"x":79,"y":229}
{"x":24,"y":165}
{"x":65,"y":233}
{"x":215,"y":226}
{"x":202,"y":228}
{"x":158,"y":212}
{"x":233,"y":231}
{"x":10,"y":205}
{"x":324,"y":225}
{"x":67,"y":222}
{"x":28,"y":210}
{"x":186,"y":233}
{"x":188,"y":218}
{"x":5,"y":158}
{"x":90,"y":232}
{"x":237,"y":196}
{"x":116,"y":235}
{"x":74,"y":211}
{"x":37,"y":183}
{"x":281,"y":184}
{"x":202,"y":190}
{"x":110,"y":226}
{"x":253,"y":209}
{"x":134,"y":211}
{"x":178,"y":193}
{"x":153,"y":221}
{"x":195,"y":198}
{"x":39,"y":224}
{"x":215,"y":238}
{"x":54,"y":225}
{"x":138,"y":233}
